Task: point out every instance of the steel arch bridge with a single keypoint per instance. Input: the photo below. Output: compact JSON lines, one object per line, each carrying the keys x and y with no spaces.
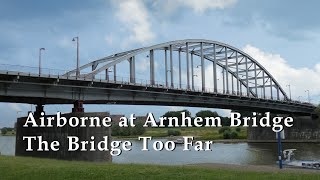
{"x":192,"y":72}
{"x":242,"y":74}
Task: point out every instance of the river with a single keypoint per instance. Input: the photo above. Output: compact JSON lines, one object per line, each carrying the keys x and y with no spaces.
{"x":239,"y":153}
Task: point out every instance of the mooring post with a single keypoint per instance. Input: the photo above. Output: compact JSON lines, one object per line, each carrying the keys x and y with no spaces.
{"x":279,"y":149}
{"x":78,"y":106}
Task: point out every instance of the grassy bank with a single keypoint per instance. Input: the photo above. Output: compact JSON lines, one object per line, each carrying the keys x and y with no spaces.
{"x":34,"y":168}
{"x":202,"y":133}
{"x":9,"y":133}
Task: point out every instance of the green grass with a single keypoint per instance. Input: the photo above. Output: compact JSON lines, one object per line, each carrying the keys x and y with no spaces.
{"x":202,"y":133}
{"x":35,"y":168}
{"x":9,"y":133}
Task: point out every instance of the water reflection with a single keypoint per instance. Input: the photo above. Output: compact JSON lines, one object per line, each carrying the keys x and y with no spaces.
{"x":241,"y":153}
{"x":7,"y":145}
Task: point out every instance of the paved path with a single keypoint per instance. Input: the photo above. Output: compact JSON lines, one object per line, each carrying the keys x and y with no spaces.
{"x":256,"y":168}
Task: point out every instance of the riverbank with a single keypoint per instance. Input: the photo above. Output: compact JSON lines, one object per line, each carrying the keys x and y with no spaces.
{"x":36,"y":168}
{"x":9,"y":133}
{"x":202,"y":133}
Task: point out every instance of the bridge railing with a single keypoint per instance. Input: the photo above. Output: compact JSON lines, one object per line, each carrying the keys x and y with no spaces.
{"x":31,"y":70}
{"x":142,"y":82}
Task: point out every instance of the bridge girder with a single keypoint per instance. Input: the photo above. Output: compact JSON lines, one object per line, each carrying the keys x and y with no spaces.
{"x":232,"y":60}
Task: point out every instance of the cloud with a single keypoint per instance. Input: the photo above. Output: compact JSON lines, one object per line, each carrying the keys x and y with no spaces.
{"x":109,"y":39}
{"x":198,"y":6}
{"x":135,"y":18}
{"x":272,"y":18}
{"x":15,"y":107}
{"x":143,"y":65}
{"x":300,"y":79}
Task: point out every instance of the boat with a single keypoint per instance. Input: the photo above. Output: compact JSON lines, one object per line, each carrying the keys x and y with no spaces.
{"x":179,"y":141}
{"x":291,"y":162}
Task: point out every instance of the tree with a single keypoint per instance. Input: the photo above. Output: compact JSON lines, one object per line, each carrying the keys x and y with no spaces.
{"x":207,"y":113}
{"x":176,"y":114}
{"x":243,"y":113}
{"x":115,"y":129}
{"x":225,"y":121}
{"x":4,"y":131}
{"x":224,"y":129}
{"x":138,"y":129}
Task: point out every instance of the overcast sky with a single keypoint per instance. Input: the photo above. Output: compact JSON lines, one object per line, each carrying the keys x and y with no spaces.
{"x":283,"y":35}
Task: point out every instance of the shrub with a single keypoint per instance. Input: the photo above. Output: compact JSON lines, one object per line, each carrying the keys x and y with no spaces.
{"x":4,"y":131}
{"x":230,"y":135}
{"x":119,"y":131}
{"x":226,"y":135}
{"x":234,"y":135}
{"x":238,"y":129}
{"x":223,"y":129}
{"x":174,"y":132}
{"x":138,"y":129}
{"x":115,"y":130}
{"x":124,"y":131}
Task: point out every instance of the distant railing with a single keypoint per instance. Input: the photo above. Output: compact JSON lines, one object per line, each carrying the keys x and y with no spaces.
{"x":136,"y":81}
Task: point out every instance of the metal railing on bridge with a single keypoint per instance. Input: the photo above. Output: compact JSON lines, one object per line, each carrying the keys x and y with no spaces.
{"x":48,"y":72}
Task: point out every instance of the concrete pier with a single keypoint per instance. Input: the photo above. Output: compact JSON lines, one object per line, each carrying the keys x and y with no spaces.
{"x":305,"y":129}
{"x":60,"y":134}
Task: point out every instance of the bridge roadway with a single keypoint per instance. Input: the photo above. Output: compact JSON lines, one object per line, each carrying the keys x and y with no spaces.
{"x":20,"y":87}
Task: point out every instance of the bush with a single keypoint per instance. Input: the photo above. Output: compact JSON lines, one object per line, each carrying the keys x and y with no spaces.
{"x":226,"y":135}
{"x":138,"y":129}
{"x":174,"y":132}
{"x":124,"y":131}
{"x":4,"y":131}
{"x":115,"y":130}
{"x":119,"y":131}
{"x":238,"y":129}
{"x":234,"y":135}
{"x":224,"y":129}
{"x":230,"y":135}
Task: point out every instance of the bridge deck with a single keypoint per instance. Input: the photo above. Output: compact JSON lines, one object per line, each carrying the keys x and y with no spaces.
{"x":54,"y":89}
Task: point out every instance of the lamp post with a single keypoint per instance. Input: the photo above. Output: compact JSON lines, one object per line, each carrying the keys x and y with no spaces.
{"x":308,"y":95}
{"x":289,"y":90}
{"x":78,"y":70}
{"x":41,"y":49}
{"x":299,"y":98}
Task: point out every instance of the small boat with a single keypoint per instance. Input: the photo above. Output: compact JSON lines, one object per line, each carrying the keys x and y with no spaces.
{"x":290,"y":161}
{"x":179,"y":141}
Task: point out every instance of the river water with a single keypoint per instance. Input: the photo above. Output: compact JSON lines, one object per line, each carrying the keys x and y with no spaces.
{"x":239,"y":153}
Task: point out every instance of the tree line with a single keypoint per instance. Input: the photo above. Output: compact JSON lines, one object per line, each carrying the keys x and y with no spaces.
{"x":5,"y":130}
{"x":225,"y":121}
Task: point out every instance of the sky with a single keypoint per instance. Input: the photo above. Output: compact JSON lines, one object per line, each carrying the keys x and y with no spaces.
{"x":282,"y":35}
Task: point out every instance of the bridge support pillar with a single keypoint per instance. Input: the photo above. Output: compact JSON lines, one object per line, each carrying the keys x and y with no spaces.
{"x":39,"y":110}
{"x":78,"y":106}
{"x":305,"y":129}
{"x":61,"y":135}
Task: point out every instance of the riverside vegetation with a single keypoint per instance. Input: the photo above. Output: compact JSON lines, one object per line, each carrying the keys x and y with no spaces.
{"x":202,"y":133}
{"x":6,"y":131}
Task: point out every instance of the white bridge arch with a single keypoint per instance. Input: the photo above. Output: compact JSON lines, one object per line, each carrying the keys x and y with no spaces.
{"x":251,"y":78}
